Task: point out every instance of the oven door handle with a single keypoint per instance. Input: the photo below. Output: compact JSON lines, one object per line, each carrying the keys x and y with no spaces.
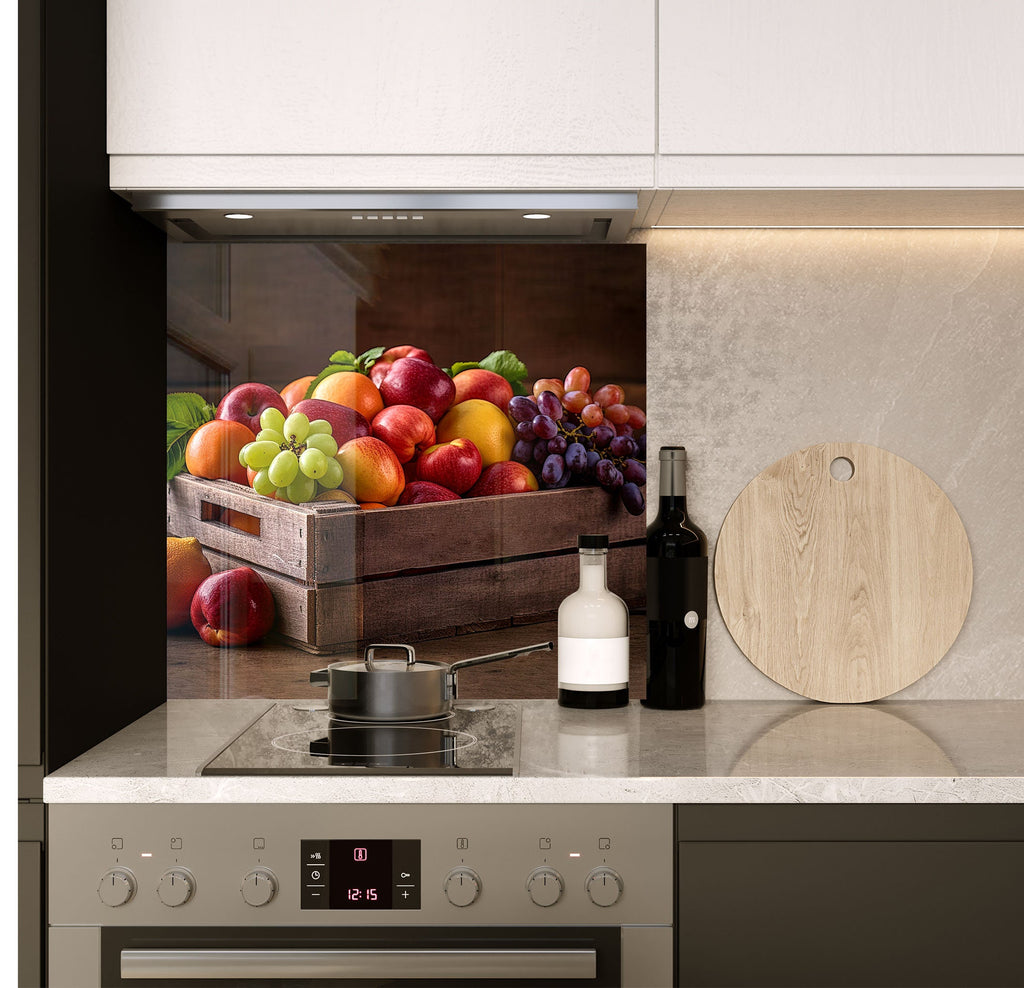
{"x":448,"y":965}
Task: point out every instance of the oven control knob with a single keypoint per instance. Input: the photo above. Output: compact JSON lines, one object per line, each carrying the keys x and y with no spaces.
{"x":117,"y":887}
{"x":176,"y":887}
{"x":259,"y":886}
{"x":462,"y":886}
{"x":604,"y":887}
{"x":545,"y":886}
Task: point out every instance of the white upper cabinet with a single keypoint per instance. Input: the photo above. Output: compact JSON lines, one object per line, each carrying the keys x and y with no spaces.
{"x":829,"y":93}
{"x":381,"y":77}
{"x":863,"y":77}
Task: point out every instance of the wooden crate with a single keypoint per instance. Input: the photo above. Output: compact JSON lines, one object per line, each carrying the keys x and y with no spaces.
{"x":342,"y":576}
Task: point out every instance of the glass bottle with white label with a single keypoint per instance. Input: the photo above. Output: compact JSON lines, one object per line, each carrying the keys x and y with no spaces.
{"x":593,"y":636}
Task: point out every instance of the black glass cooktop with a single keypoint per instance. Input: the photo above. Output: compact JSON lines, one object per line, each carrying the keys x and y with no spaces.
{"x":299,"y":738}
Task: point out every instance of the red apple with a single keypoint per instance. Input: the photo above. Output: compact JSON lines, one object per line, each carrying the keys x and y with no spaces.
{"x":481,"y":383}
{"x":405,"y":428}
{"x":245,"y":403}
{"x":346,"y":423}
{"x":394,"y":353}
{"x":455,"y":465}
{"x":504,"y":477}
{"x":423,"y":492}
{"x":383,"y":364}
{"x":233,"y":607}
{"x":412,"y":381}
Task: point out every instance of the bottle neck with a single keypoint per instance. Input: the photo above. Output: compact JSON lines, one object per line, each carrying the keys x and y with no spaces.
{"x":672,"y":481}
{"x":593,"y":569}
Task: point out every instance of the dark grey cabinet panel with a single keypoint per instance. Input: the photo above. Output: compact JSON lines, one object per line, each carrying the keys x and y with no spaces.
{"x":818,"y":911}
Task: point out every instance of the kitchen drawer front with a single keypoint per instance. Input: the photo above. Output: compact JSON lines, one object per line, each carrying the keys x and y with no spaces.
{"x":814,"y":910}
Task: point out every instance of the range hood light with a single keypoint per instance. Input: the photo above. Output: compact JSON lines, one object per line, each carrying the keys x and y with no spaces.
{"x":293,"y":216}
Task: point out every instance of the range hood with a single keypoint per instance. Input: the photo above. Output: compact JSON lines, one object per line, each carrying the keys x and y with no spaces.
{"x":282,"y":216}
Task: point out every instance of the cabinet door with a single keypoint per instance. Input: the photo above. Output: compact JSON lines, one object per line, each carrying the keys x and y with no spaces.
{"x":389,"y":77}
{"x":850,"y":913}
{"x":795,"y":77}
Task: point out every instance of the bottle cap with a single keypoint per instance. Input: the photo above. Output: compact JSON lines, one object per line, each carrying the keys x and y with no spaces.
{"x":592,"y":542}
{"x":672,"y":453}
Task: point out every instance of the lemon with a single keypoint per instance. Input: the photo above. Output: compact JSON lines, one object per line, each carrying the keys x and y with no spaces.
{"x":483,"y":424}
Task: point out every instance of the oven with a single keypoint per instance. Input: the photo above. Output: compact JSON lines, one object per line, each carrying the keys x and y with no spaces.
{"x":315,"y":894}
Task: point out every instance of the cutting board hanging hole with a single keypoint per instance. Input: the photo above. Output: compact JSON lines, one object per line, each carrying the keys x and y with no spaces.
{"x":841,"y":468}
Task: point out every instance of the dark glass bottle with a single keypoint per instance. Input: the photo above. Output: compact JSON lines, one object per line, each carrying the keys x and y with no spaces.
{"x":677,"y":594}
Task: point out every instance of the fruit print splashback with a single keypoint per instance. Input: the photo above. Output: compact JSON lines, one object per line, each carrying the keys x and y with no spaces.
{"x":441,"y":421}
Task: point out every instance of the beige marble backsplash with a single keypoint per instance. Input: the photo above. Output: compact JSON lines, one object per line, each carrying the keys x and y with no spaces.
{"x":761,"y":342}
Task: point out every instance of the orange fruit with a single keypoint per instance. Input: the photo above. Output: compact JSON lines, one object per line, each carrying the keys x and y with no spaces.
{"x":371,"y":471}
{"x":187,"y":567}
{"x":296,"y":390}
{"x":371,"y":505}
{"x":241,"y":521}
{"x":353,"y":390}
{"x":484,"y":424}
{"x":212,"y":451}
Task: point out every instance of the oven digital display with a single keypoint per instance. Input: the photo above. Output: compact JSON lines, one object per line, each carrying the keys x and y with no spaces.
{"x":360,"y":874}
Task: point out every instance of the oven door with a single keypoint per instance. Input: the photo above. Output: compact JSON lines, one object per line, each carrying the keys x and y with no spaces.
{"x":399,"y":956}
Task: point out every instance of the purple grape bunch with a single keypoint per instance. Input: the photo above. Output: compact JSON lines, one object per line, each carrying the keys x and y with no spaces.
{"x":561,"y":449}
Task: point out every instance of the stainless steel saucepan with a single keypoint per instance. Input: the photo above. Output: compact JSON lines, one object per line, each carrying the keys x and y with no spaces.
{"x":395,"y":690}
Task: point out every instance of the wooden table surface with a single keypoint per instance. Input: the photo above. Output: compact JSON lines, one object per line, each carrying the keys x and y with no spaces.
{"x":273,"y":671}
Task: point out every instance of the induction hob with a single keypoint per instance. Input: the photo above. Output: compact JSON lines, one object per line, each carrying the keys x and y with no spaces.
{"x":299,"y":738}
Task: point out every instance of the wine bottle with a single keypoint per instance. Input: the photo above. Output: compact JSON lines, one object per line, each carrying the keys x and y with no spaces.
{"x":593,"y":636}
{"x":677,"y":594}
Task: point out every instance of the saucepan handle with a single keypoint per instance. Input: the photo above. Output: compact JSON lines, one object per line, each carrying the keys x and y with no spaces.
{"x":320,"y":677}
{"x":495,"y":656}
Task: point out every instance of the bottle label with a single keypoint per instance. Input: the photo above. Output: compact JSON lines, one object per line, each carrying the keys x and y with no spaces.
{"x":591,"y":664}
{"x":677,"y":589}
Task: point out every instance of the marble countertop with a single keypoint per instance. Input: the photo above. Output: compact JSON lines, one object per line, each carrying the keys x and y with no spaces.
{"x":968,"y":751}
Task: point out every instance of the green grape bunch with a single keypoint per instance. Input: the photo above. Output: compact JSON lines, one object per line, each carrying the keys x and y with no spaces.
{"x":293,"y":457}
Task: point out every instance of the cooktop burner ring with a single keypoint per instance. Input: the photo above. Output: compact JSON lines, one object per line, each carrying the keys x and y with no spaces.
{"x":300,"y":741}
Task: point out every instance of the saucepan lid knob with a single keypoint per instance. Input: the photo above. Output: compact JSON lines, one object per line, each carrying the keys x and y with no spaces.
{"x":408,"y":649}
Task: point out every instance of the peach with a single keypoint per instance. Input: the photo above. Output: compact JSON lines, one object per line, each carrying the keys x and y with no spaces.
{"x":481,"y":383}
{"x":371,"y":471}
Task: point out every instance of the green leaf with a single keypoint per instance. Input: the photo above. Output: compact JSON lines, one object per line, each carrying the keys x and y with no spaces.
{"x":186,"y":411}
{"x":177,"y":440}
{"x":342,"y":357}
{"x":367,"y":359}
{"x":507,"y":364}
{"x":460,"y":366}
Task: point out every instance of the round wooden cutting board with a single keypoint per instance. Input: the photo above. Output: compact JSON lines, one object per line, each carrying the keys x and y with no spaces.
{"x":843,"y":590}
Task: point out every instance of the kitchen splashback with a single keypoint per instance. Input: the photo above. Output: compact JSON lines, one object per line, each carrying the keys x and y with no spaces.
{"x":761,"y":342}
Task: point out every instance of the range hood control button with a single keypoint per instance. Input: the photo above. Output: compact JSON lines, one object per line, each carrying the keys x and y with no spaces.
{"x":545,"y":886}
{"x":462,"y":886}
{"x":604,"y":887}
{"x":259,"y":886}
{"x":117,"y":887}
{"x":176,"y":887}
